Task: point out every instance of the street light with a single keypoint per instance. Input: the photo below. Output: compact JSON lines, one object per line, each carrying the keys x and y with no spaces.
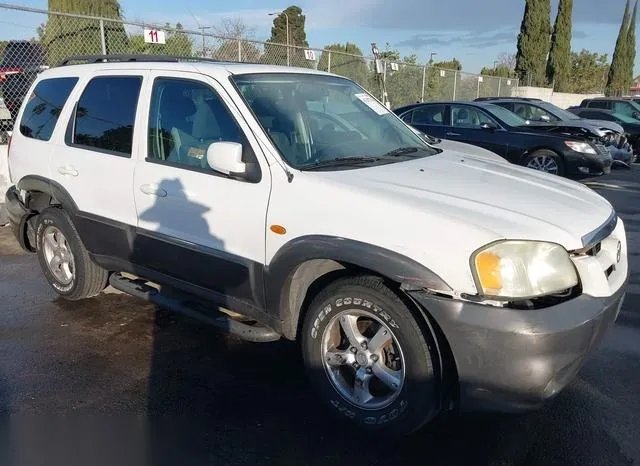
{"x":287,"y":22}
{"x":431,"y":57}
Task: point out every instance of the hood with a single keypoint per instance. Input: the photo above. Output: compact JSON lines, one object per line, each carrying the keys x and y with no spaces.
{"x":604,"y":124}
{"x":455,"y":148}
{"x":574,"y":129}
{"x":499,"y":200}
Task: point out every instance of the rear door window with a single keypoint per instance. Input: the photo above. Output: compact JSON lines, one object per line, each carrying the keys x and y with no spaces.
{"x":44,"y":106}
{"x":105,"y":114}
{"x":599,"y":104}
{"x":429,"y":115}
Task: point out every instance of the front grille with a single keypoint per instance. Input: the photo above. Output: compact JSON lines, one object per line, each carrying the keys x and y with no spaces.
{"x":603,"y":150}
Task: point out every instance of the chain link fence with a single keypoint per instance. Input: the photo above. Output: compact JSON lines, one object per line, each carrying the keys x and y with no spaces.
{"x":60,"y":35}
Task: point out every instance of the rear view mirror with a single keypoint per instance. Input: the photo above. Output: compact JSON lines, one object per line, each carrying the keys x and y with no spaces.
{"x":226,"y":158}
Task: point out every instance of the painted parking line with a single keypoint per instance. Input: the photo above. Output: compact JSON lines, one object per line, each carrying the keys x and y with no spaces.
{"x":597,"y":184}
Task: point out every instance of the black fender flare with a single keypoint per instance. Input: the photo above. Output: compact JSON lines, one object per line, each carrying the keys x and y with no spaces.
{"x":320,"y":249}
{"x":54,"y":189}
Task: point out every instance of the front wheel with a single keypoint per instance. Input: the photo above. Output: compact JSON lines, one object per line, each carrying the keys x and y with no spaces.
{"x":547,"y":161}
{"x":369,"y":358}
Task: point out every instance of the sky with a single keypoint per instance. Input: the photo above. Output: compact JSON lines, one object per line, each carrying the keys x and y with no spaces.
{"x":476,"y":32}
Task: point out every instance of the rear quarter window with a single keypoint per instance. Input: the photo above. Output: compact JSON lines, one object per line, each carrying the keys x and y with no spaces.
{"x":44,"y":106}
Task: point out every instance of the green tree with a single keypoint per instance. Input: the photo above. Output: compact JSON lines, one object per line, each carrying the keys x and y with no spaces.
{"x":404,"y":84}
{"x":558,"y":66}
{"x":441,"y":79}
{"x":177,"y":43}
{"x":588,"y":72}
{"x":347,"y":61}
{"x":533,"y":42}
{"x":237,"y":50}
{"x":631,"y":47}
{"x":64,"y":36}
{"x":453,"y":64}
{"x":618,"y":80}
{"x":276,"y":49}
{"x":501,"y":71}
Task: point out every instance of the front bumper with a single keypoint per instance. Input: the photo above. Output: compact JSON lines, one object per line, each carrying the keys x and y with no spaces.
{"x":512,"y":360}
{"x":587,"y":165}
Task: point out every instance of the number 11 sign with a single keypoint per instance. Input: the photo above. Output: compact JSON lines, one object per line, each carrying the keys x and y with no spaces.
{"x":154,"y":36}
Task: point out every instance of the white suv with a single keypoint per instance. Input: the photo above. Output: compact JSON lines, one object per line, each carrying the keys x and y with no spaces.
{"x":419,"y":276}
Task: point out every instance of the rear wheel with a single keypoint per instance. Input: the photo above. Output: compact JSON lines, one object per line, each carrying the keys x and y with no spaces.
{"x":64,"y":259}
{"x":547,"y":161}
{"x":369,"y":358}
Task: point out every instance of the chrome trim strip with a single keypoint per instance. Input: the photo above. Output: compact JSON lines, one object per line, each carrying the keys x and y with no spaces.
{"x":591,"y":239}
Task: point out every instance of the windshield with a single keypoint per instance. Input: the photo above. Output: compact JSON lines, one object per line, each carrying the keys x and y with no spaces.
{"x":557,"y":111}
{"x":507,"y":116}
{"x":313,"y":119}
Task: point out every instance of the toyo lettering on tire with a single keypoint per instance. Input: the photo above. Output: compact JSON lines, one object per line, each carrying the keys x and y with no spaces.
{"x":369,"y":357}
{"x":63,"y":258}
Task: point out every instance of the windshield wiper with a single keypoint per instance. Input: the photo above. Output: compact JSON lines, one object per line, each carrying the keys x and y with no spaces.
{"x":403,"y":151}
{"x":341,"y":161}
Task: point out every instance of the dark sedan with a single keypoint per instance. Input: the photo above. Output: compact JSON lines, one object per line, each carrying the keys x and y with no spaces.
{"x":630,"y":125}
{"x":505,"y":133}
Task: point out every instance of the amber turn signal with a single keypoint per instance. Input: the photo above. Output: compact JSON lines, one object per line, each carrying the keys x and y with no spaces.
{"x":278,"y":229}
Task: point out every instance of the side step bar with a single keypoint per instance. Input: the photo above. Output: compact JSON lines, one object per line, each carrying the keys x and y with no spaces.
{"x":180,"y":303}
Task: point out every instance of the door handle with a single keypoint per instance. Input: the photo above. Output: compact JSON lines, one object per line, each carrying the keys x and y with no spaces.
{"x":68,"y":171}
{"x":450,"y":133}
{"x":153,"y":190}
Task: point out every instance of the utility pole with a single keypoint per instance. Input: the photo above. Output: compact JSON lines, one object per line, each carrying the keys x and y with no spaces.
{"x":202,"y":28}
{"x":379,"y":70}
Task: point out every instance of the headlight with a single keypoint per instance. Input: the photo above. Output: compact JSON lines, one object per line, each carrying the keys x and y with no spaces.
{"x":582,"y":147}
{"x":523,"y":269}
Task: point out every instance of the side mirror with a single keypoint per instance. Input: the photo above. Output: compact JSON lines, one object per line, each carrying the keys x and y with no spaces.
{"x":545,"y":118}
{"x":489,"y":126}
{"x":636,"y":115}
{"x":226,"y":158}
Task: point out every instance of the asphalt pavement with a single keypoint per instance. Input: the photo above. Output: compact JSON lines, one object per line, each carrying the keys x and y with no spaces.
{"x":128,"y":383}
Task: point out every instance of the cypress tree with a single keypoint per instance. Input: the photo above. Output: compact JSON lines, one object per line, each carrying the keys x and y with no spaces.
{"x":533,"y":42}
{"x":631,"y":45}
{"x":276,"y":50}
{"x":559,"y":63}
{"x":619,"y":68}
{"x":64,"y":36}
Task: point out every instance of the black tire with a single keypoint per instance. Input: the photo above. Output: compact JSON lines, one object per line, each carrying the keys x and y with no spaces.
{"x":546,"y":153}
{"x":88,"y":279}
{"x":418,"y":399}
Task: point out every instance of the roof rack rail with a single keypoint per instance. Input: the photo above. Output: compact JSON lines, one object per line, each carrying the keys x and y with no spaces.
{"x":87,"y":59}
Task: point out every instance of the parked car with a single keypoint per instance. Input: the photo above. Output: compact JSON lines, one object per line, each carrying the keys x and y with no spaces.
{"x":21,"y":62}
{"x":630,"y":125}
{"x":417,"y":277}
{"x":540,"y":110}
{"x":548,"y":148}
{"x":536,"y":110}
{"x":621,"y":105}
